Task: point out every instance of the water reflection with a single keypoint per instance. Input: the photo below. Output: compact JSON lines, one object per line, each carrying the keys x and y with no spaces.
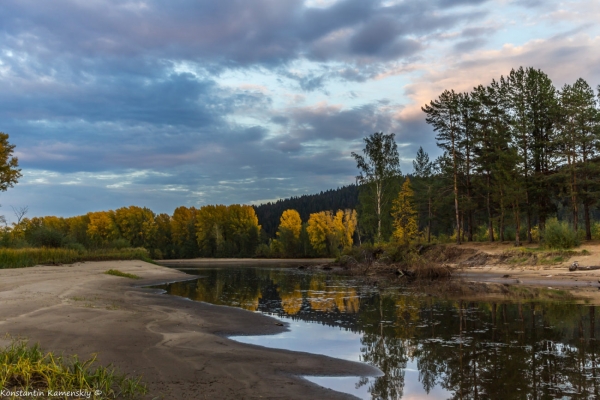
{"x":457,"y":349}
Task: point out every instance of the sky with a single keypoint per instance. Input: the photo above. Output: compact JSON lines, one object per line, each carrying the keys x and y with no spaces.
{"x":193,"y":102}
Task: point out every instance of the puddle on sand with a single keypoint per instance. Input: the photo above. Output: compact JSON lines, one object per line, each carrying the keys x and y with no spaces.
{"x":425,"y":347}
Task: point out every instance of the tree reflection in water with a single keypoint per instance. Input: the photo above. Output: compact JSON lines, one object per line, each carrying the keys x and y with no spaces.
{"x":473,"y":350}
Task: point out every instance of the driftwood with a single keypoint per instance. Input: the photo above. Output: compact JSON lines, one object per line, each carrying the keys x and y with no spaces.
{"x":404,"y":272}
{"x":579,"y":268}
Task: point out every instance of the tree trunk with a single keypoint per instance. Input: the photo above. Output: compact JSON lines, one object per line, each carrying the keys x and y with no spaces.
{"x":517,"y":225}
{"x":529,"y":238}
{"x":429,"y":221}
{"x":378,"y":213}
{"x":489,"y":211}
{"x":456,"y":198}
{"x":501,"y":216}
{"x":586,"y":216}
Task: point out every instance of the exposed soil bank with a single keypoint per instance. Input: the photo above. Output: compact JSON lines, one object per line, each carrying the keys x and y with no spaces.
{"x":176,"y":344}
{"x":503,"y":264}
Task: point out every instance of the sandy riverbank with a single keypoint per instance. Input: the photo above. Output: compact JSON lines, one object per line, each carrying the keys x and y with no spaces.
{"x":501,"y":263}
{"x":179,"y":346}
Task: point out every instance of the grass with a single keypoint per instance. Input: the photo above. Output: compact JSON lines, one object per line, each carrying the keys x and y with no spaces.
{"x":28,"y":257}
{"x":539,"y":256}
{"x":28,"y":368}
{"x":116,"y":272}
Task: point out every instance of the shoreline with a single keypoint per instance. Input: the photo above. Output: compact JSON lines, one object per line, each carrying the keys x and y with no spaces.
{"x":178,"y":346}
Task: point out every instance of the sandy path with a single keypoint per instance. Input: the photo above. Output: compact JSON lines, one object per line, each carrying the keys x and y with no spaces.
{"x":176,"y":344}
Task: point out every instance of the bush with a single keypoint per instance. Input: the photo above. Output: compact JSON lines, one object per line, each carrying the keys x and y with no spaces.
{"x":559,"y":235}
{"x":46,"y":237}
{"x":595,"y":228}
{"x":119,"y":244}
{"x":263,"y":251}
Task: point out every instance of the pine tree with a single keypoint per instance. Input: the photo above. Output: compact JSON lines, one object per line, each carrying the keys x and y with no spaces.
{"x":423,"y":182}
{"x":445,"y":117}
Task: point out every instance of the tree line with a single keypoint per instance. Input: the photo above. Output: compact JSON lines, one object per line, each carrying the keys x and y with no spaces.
{"x":208,"y":231}
{"x":516,"y":153}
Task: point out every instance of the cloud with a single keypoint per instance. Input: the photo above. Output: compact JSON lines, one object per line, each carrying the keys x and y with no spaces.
{"x":195,"y":102}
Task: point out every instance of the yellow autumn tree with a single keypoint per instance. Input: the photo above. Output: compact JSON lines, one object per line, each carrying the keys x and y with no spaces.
{"x":344,"y":224}
{"x":242,"y":231}
{"x":183,"y":232}
{"x":405,"y":215}
{"x":321,"y":232}
{"x":210,"y":228}
{"x":136,"y":225}
{"x":227,"y":230}
{"x":102,"y":227}
{"x":290,"y":225}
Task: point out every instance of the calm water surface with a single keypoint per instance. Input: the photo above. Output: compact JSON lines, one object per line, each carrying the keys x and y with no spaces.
{"x":425,"y":347}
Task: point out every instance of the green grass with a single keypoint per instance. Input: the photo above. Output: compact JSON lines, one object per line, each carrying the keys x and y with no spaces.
{"x":28,"y":257}
{"x":116,"y":272}
{"x":28,"y":368}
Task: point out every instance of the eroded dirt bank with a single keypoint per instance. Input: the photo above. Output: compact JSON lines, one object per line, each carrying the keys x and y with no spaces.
{"x":179,"y":346}
{"x":501,"y":263}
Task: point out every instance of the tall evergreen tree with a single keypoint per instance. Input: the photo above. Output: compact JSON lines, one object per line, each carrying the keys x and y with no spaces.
{"x":423,"y":182}
{"x":445,"y":117}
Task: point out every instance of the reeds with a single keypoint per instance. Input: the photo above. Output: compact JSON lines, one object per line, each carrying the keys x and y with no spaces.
{"x":28,"y":257}
{"x":28,"y":369}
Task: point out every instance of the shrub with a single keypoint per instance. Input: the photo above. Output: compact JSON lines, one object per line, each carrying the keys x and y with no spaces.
{"x":122,"y":274}
{"x":559,"y":235}
{"x":595,"y":228}
{"x":46,"y":237}
{"x":263,"y":251}
{"x":119,"y":244}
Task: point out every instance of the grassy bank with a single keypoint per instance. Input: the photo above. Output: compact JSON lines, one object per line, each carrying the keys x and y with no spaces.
{"x":28,"y":369}
{"x":28,"y":257}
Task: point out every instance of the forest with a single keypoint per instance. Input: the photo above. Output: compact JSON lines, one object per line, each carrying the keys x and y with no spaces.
{"x":520,"y":160}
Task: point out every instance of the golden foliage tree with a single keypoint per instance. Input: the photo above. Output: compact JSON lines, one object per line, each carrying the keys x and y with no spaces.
{"x":344,"y":224}
{"x":136,"y":225}
{"x":290,"y":226}
{"x":227,"y":230}
{"x":320,"y":231}
{"x":183,"y":231}
{"x":102,"y":227}
{"x":405,"y":215}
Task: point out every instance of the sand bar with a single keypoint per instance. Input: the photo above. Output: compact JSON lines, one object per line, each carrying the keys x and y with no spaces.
{"x":179,"y":346}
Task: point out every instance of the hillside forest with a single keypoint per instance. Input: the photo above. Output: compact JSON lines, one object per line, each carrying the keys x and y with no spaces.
{"x":519,"y":157}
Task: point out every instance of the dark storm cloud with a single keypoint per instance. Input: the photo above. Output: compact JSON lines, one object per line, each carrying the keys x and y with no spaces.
{"x":227,"y":33}
{"x":177,"y":99}
{"x":327,"y":123}
{"x":132,"y":89}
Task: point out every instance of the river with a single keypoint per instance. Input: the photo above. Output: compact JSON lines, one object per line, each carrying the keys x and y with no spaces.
{"x":425,"y":347}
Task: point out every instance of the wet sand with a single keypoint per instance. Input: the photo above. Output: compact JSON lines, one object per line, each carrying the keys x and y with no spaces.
{"x":179,"y":346}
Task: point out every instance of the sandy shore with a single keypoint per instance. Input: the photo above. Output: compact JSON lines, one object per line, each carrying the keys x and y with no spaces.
{"x":580,"y":283}
{"x":179,"y":346}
